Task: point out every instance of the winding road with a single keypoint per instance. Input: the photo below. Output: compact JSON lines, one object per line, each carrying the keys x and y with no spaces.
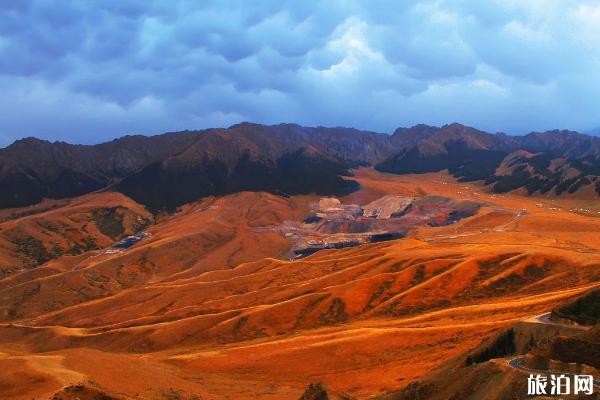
{"x":545,"y":320}
{"x":517,"y":362}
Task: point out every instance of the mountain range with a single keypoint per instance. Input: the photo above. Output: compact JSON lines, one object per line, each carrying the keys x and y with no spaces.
{"x":168,"y":170}
{"x":393,"y":281}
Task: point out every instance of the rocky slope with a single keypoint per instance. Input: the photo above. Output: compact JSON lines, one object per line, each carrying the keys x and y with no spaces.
{"x":166,"y":171}
{"x":543,"y":173}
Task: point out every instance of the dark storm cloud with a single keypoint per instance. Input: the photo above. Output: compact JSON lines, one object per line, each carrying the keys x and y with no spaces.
{"x":88,"y":71}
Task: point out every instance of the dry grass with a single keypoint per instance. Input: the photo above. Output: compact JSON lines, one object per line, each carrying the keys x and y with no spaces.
{"x":205,"y":306}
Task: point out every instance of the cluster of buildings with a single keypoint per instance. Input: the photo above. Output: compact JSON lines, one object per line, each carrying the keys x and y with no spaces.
{"x":126,"y":242}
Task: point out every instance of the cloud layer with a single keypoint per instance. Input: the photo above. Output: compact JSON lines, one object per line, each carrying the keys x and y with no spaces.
{"x":89,"y":71}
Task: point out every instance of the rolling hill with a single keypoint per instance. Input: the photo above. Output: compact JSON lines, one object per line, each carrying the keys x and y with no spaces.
{"x":208,"y":305}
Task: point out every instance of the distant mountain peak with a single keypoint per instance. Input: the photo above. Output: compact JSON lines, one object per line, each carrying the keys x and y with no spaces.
{"x":454,"y":125}
{"x":29,"y":140}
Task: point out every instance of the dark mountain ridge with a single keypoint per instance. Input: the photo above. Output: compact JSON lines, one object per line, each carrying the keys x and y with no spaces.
{"x":558,"y":161}
{"x":466,"y":152}
{"x":168,"y":170}
{"x":165,"y":171}
{"x":31,"y":169}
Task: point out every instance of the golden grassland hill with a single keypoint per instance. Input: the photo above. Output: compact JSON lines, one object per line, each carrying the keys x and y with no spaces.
{"x":88,"y":223}
{"x":207,"y":306}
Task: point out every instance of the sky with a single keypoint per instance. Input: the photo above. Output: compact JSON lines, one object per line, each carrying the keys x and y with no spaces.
{"x":89,"y":71}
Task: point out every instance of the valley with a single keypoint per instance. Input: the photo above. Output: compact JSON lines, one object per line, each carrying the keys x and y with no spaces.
{"x":210,"y":305}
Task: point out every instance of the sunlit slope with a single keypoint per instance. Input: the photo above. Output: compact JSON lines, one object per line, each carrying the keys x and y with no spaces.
{"x":37,"y":235}
{"x":214,"y":234}
{"x":272,"y":297}
{"x":208,"y":304}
